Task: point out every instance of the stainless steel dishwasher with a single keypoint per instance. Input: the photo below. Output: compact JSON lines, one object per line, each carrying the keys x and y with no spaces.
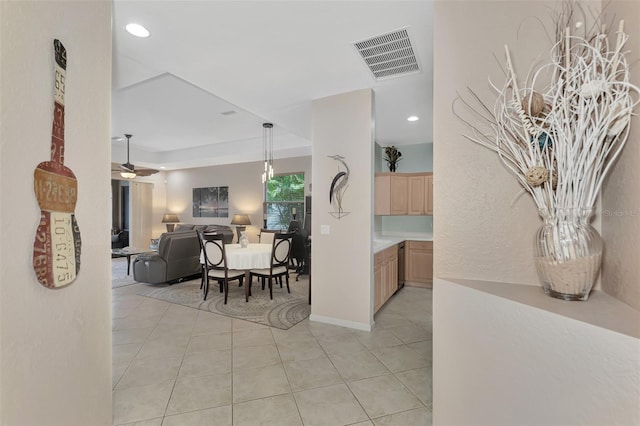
{"x":401,"y":265}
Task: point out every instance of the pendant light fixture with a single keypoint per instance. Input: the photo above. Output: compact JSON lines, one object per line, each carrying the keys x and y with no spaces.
{"x":267,"y":148}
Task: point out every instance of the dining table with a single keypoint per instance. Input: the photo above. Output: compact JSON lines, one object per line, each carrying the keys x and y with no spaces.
{"x":254,"y":256}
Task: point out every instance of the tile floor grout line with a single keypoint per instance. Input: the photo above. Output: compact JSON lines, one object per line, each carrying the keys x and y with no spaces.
{"x":319,"y":333}
{"x":231,"y":386}
{"x":359,"y":402}
{"x":175,"y":381}
{"x":134,"y":357}
{"x":407,"y":387}
{"x":416,"y":352}
{"x":295,"y":401}
{"x":346,"y":382}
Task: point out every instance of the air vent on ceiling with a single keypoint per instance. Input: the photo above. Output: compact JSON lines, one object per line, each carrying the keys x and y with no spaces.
{"x":389,"y":55}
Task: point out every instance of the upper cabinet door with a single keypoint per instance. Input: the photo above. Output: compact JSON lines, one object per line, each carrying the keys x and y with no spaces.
{"x":390,"y":194}
{"x":399,"y":195}
{"x":428,"y":195}
{"x":416,"y":195}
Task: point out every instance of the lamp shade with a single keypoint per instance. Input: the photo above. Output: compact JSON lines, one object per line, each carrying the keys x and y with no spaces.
{"x":240,"y":219}
{"x":170,"y":218}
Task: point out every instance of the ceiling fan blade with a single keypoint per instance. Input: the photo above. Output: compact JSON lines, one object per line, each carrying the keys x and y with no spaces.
{"x":130,"y":168}
{"x":146,"y":172}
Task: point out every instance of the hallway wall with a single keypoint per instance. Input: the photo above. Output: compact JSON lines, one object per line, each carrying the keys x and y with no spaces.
{"x":55,"y":345}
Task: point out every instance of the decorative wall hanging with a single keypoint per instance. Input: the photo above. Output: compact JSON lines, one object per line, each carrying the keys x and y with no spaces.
{"x":339,"y":185}
{"x":56,"y":249}
{"x":211,"y":202}
{"x":559,"y":133}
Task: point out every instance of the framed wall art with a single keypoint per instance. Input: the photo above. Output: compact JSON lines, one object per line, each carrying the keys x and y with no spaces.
{"x":211,"y":202}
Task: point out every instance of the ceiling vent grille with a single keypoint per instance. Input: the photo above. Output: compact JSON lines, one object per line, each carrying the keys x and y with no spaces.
{"x":389,"y":55}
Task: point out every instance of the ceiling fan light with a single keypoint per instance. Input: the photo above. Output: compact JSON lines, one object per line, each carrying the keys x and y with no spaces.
{"x":128,"y":175}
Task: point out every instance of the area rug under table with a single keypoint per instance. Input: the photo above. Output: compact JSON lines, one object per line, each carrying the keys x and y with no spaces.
{"x":119,"y":277}
{"x":284,"y":311}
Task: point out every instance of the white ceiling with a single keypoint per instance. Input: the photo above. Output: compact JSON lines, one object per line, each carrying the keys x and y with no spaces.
{"x":266,"y":60}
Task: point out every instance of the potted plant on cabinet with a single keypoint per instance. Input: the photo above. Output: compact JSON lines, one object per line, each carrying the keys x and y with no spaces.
{"x":392,"y":156}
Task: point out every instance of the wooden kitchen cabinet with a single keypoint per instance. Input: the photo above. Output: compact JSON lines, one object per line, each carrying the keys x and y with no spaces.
{"x":398,"y":194}
{"x":377,"y":282}
{"x":419,"y":264}
{"x":391,"y":194}
{"x":416,"y":195}
{"x":385,"y":276}
{"x":390,"y":267}
{"x":428,"y":194}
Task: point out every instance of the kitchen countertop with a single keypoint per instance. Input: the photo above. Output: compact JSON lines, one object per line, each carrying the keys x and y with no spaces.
{"x":382,"y":241}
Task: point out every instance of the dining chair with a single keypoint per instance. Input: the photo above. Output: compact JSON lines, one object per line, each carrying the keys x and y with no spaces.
{"x":205,"y":236}
{"x":266,"y":236}
{"x":280,"y":253}
{"x":215,"y":264}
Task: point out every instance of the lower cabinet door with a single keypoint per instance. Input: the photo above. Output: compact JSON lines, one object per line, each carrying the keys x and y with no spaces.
{"x":377,"y":287}
{"x":392,"y":284}
{"x":419,"y":264}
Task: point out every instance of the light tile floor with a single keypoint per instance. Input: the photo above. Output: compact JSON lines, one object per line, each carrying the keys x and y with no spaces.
{"x":174,"y":365}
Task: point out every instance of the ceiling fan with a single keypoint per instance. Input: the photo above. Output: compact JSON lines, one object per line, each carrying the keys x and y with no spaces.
{"x":128,"y":170}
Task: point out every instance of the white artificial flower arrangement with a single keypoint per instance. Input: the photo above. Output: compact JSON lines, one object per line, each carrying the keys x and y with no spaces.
{"x":561,"y":138}
{"x":559,"y":131}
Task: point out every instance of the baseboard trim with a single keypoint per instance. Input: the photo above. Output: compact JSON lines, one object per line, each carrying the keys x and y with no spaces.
{"x":343,"y":323}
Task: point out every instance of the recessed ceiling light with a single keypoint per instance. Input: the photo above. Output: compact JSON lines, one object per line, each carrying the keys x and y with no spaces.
{"x":413,"y":118}
{"x":137,"y":30}
{"x":162,"y":167}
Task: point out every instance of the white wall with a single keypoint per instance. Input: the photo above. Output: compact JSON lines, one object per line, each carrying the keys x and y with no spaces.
{"x":541,"y":367}
{"x":480,"y":234}
{"x":621,"y":193}
{"x":55,"y":345}
{"x":245,"y":190}
{"x":518,"y":360}
{"x":342,"y":260}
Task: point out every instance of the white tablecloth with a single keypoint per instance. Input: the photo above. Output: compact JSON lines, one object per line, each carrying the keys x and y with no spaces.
{"x":255,"y":256}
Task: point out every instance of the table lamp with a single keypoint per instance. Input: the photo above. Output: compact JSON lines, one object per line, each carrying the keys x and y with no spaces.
{"x":243,"y":221}
{"x":170,"y":219}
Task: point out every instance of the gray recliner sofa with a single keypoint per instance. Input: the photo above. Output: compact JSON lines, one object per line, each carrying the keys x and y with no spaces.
{"x":178,"y":257}
{"x":225,"y":231}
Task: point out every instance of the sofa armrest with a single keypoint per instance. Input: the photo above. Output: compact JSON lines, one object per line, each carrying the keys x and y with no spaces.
{"x":150,"y":268}
{"x":149,"y":257}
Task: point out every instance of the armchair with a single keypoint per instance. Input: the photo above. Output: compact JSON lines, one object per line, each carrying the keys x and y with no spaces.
{"x":178,"y":257}
{"x":119,"y":240}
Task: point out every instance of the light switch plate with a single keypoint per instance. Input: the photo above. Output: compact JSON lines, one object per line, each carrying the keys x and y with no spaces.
{"x":325,"y":229}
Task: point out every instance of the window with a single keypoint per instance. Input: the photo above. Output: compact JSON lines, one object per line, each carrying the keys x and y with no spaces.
{"x":284,"y":193}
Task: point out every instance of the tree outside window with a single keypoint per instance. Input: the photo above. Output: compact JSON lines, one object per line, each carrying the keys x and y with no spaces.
{"x":284,"y":193}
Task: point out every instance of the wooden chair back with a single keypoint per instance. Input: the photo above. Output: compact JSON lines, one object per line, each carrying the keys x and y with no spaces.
{"x":281,"y":249}
{"x":266,"y":236}
{"x":214,"y":254}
